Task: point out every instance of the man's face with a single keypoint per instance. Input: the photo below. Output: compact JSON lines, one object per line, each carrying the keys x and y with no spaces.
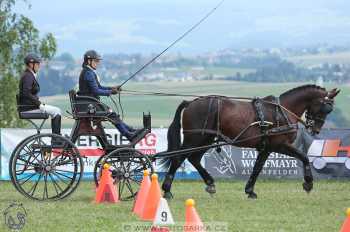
{"x":36,"y":67}
{"x":94,"y":63}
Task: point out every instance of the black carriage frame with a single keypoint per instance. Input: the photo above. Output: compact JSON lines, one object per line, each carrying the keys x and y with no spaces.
{"x":88,"y":114}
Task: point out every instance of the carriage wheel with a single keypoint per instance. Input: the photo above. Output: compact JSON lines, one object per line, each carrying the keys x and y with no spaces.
{"x":41,"y":171}
{"x":127,"y":166}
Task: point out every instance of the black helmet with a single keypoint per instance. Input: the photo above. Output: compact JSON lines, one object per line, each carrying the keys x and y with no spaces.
{"x":32,"y":58}
{"x":91,"y":54}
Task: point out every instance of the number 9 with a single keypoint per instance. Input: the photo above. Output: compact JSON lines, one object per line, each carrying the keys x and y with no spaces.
{"x":164,"y":216}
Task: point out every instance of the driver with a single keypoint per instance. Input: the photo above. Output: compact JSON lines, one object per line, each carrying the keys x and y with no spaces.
{"x":89,"y":85}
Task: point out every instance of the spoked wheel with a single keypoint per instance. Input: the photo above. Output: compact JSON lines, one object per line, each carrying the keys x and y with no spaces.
{"x":46,"y":167}
{"x":127,"y":166}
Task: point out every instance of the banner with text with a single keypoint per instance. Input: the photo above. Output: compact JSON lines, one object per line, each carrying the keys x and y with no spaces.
{"x":328,"y":153}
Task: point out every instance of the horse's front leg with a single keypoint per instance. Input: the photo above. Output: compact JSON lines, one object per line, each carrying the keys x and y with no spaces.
{"x":259,"y":164}
{"x":289,"y":150}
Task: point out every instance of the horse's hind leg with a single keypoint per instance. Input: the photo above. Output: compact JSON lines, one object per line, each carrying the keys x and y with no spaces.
{"x":169,"y":177}
{"x":195,"y":160}
{"x":259,"y":164}
{"x":190,"y":141}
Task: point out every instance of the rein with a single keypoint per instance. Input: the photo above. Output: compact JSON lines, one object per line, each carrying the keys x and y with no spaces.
{"x":299,"y":119}
{"x":134,"y":92}
{"x":169,"y":154}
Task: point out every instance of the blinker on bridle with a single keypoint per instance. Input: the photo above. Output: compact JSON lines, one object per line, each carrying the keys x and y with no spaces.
{"x":326,"y":108}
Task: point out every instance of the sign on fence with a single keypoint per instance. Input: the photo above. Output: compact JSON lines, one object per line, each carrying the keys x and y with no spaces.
{"x":329,"y":154}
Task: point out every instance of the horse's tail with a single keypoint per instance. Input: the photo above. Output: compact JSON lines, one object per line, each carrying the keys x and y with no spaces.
{"x":174,"y":136}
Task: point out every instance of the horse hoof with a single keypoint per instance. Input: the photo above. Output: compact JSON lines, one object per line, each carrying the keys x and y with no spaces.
{"x":307,"y":186}
{"x":168,"y":195}
{"x":252,"y":195}
{"x":210,"y":189}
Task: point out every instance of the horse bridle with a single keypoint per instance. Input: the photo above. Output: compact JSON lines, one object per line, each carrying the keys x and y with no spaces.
{"x":326,"y":108}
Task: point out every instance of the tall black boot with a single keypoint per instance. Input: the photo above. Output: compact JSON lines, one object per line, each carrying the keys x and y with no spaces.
{"x":56,"y":125}
{"x":56,"y":129}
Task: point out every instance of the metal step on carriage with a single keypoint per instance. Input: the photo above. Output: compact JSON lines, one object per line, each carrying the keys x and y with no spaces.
{"x":47,"y":166}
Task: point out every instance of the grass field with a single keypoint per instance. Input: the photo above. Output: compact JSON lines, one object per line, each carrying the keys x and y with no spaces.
{"x":216,"y":71}
{"x":163,"y":108}
{"x":335,"y":58}
{"x":281,"y":206}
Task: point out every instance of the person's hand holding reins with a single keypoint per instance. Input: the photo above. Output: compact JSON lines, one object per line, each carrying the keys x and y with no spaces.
{"x":116,"y":89}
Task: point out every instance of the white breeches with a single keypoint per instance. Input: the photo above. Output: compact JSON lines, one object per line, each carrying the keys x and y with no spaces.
{"x":53,"y":111}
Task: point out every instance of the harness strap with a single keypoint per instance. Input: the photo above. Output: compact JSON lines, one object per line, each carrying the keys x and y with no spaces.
{"x":259,"y":109}
{"x":284,"y":110}
{"x":262,"y":124}
{"x":218,"y":119}
{"x":211,"y":132}
{"x":273,"y":131}
{"x":206,"y":119}
{"x":279,"y":111}
{"x":278,"y":116}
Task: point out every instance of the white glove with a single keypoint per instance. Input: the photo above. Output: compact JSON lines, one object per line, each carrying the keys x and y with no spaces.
{"x":42,"y":107}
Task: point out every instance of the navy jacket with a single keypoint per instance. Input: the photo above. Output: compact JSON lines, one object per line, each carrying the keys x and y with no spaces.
{"x":90,"y":86}
{"x":28,"y":92}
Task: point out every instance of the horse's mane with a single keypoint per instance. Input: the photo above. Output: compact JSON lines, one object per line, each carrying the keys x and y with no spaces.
{"x":301,"y":89}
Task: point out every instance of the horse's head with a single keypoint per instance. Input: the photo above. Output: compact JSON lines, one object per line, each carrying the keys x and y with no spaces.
{"x":318,"y":110}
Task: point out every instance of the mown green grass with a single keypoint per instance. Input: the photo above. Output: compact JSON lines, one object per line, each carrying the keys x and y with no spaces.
{"x":163,"y":108}
{"x":281,"y":206}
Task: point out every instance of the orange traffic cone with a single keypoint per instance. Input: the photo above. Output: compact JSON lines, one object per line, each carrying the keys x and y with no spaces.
{"x":346,"y":224}
{"x":152,"y":200}
{"x":193,"y":222}
{"x":142,"y":194}
{"x":106,"y":192}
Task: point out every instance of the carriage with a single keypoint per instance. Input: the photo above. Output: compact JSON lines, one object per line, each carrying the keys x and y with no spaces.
{"x":43,"y":170}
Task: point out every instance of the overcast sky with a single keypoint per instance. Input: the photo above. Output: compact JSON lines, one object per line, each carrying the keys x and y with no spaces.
{"x":112,"y":26}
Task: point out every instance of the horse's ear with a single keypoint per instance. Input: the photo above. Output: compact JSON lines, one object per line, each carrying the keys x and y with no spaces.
{"x":334,"y":92}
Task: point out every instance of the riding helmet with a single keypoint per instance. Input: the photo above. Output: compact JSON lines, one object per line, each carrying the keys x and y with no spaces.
{"x":92,"y":54}
{"x":32,"y":58}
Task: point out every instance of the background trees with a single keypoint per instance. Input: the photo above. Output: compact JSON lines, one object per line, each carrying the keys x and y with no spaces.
{"x":18,"y":36}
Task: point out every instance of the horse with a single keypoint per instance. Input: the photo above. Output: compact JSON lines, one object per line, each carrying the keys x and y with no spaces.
{"x":268,"y":124}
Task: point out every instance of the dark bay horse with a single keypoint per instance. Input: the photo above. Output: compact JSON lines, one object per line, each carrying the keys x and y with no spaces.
{"x":268,"y":124}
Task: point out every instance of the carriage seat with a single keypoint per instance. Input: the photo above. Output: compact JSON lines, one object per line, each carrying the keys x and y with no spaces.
{"x":87,"y":107}
{"x":25,"y":115}
{"x":29,"y":115}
